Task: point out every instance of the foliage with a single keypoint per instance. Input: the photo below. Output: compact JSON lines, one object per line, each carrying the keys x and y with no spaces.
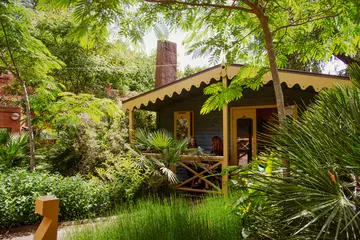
{"x":248,"y":77}
{"x":65,"y":109}
{"x":189,"y":70}
{"x":144,"y":120}
{"x":320,"y":198}
{"x":25,"y":57}
{"x":123,"y":174}
{"x":32,"y":58}
{"x":94,"y":17}
{"x":86,"y":146}
{"x":169,"y":219}
{"x":79,"y":199}
{"x":91,"y":70}
{"x":13,"y":149}
{"x":166,"y":154}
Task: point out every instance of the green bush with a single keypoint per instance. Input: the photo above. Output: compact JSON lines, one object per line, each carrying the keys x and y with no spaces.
{"x":123,"y":174}
{"x":170,"y":219}
{"x":79,"y":198}
{"x":13,"y":150}
{"x":82,"y":148}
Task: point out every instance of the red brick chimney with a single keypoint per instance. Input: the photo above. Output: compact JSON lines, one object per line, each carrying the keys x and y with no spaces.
{"x":166,"y":63}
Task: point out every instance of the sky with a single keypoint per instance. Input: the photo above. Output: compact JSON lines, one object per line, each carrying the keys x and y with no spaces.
{"x":183,"y":59}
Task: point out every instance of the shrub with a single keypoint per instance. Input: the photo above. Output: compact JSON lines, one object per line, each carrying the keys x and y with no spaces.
{"x":86,"y":146}
{"x":123,"y":174}
{"x":167,"y":154}
{"x":13,"y":149}
{"x":79,"y":198}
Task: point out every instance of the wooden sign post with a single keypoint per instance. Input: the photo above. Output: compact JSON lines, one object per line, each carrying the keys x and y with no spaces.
{"x":47,"y":206}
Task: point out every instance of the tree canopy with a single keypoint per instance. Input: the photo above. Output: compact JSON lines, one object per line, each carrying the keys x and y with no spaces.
{"x":91,"y":70}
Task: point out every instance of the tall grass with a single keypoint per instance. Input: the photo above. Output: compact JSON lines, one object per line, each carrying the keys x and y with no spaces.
{"x":168,"y":219}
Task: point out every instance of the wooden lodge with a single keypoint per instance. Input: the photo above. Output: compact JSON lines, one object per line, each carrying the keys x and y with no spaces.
{"x":177,"y":104}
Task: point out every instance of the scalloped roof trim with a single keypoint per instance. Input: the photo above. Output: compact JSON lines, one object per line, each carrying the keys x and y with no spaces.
{"x":291,"y":78}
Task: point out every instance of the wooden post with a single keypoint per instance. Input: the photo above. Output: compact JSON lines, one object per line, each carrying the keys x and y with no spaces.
{"x":47,"y":206}
{"x":225,"y":178}
{"x":131,"y":125}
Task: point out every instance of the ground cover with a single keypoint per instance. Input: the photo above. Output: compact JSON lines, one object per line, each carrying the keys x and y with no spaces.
{"x":173,"y":218}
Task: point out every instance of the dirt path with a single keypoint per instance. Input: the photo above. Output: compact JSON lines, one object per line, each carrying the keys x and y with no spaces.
{"x":30,"y":236}
{"x":27,"y":232}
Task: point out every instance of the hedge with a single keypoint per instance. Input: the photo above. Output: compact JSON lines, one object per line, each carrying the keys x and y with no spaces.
{"x":79,"y":198}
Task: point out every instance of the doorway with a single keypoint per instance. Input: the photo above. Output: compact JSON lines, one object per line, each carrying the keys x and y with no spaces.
{"x":246,"y":125}
{"x":243,"y":135}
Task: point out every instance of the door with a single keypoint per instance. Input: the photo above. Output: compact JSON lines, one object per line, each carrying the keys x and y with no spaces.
{"x":243,"y":135}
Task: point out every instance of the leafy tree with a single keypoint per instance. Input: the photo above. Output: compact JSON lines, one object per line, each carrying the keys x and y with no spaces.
{"x":89,"y":130}
{"x":91,"y":70}
{"x":189,"y":70}
{"x":24,"y":56}
{"x":93,"y":19}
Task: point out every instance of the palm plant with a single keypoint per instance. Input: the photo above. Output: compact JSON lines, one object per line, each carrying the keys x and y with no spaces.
{"x":159,"y":153}
{"x":13,"y":149}
{"x":321,"y":197}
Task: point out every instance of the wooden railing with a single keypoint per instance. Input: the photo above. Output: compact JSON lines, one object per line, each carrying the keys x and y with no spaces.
{"x":206,"y":166}
{"x":203,"y":168}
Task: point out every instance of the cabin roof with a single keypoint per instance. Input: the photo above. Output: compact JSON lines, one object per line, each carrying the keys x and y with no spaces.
{"x":194,"y":84}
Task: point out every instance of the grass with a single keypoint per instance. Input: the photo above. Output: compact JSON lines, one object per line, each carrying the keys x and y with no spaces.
{"x":168,"y":219}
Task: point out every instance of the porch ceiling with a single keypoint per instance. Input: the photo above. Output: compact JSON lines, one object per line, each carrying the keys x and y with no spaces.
{"x":194,"y":85}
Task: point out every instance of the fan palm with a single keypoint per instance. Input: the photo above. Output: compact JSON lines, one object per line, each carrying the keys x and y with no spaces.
{"x":320,"y":200}
{"x":13,"y":149}
{"x":162,"y":153}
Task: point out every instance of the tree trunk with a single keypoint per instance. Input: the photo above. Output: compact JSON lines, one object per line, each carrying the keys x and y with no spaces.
{"x":275,"y":77}
{"x":31,"y":132}
{"x":15,"y":71}
{"x":273,"y":67}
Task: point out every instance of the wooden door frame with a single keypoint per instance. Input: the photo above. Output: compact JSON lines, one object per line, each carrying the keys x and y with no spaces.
{"x":232,"y":130}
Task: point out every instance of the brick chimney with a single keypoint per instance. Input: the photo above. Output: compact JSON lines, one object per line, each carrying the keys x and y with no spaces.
{"x":166,"y":63}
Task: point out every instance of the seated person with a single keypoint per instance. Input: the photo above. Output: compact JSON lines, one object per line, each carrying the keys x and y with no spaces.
{"x":192,"y":143}
{"x":217,"y":146}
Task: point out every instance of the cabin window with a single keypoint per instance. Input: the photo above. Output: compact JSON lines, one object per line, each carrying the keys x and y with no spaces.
{"x":183,"y":124}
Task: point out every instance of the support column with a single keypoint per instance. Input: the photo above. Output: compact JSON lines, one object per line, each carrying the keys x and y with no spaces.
{"x":225,"y":178}
{"x":131,"y":125}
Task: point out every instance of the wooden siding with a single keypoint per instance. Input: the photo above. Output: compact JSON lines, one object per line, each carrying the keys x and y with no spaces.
{"x":205,"y":126}
{"x":209,"y":125}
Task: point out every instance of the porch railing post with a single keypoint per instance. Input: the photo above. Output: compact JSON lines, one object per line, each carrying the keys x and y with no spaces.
{"x":131,"y":125}
{"x":225,"y":178}
{"x":48,"y":207}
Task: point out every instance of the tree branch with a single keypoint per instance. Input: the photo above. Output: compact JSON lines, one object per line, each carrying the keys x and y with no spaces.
{"x":201,"y":5}
{"x":305,"y":22}
{"x":346,"y":59}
